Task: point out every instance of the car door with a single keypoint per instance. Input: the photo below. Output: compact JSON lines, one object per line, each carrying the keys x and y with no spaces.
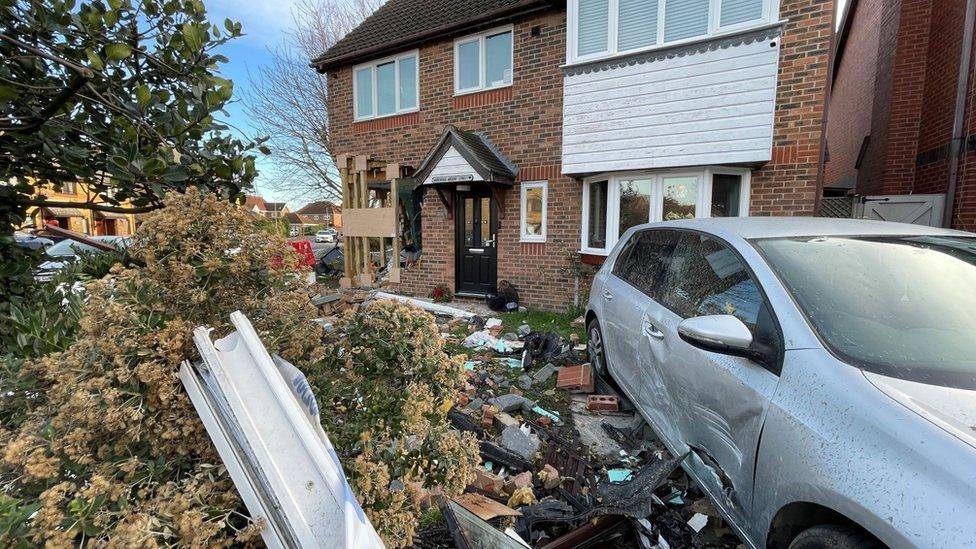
{"x":622,"y":306}
{"x":719,"y":402}
{"x":641,"y":271}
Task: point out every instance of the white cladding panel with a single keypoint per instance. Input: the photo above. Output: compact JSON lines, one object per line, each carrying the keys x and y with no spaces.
{"x":452,"y":163}
{"x":700,"y":108}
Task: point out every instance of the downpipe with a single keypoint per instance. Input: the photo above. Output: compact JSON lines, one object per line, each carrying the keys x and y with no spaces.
{"x":956,"y":146}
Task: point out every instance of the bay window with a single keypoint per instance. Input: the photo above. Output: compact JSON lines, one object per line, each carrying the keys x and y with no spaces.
{"x":483,"y":61}
{"x":386,"y":87}
{"x":614,"y":203}
{"x":603,"y":28}
{"x":533,"y":211}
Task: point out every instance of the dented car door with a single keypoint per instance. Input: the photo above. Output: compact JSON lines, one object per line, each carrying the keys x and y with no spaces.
{"x":719,"y":401}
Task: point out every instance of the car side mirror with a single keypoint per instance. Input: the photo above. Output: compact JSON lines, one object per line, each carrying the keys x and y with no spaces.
{"x":724,"y":334}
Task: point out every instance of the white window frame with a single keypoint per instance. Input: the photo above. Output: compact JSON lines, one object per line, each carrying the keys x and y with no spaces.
{"x":372,"y":66}
{"x":482,"y":60}
{"x":526,"y":186}
{"x":770,"y":17}
{"x":702,"y":208}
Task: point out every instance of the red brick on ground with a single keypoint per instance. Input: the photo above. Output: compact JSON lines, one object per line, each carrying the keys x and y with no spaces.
{"x":602,"y":403}
{"x":576,"y":379}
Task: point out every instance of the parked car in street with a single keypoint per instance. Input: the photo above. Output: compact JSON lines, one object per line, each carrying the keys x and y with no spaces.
{"x":820,"y":373}
{"x":325,"y":236}
{"x":30,"y":241}
{"x":68,"y":251}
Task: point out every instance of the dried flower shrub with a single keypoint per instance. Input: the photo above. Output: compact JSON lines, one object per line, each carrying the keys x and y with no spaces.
{"x":99,"y":443}
{"x":386,"y":385}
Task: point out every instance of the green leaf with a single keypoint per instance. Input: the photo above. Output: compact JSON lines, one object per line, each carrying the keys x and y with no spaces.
{"x":143,"y":96}
{"x":118,"y":51}
{"x":111,"y":17}
{"x":8,"y":93}
{"x":94,"y":60}
{"x":115,"y":4}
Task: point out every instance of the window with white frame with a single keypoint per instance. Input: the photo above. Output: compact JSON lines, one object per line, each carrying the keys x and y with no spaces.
{"x":603,"y":28}
{"x":614,"y":203}
{"x":535,"y":195}
{"x":483,"y":61}
{"x":386,"y":87}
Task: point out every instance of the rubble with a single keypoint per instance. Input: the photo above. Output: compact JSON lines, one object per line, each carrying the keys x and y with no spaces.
{"x":516,"y":440}
{"x":507,"y":403}
{"x":602,"y":403}
{"x":576,"y":379}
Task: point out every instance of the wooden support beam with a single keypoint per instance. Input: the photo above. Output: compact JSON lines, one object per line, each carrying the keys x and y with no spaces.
{"x":498,"y":197}
{"x":448,"y":203}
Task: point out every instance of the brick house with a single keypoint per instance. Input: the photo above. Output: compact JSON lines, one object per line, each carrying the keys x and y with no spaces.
{"x":539,"y":130}
{"x":80,"y":219}
{"x":321,"y":212}
{"x":900,"y":118}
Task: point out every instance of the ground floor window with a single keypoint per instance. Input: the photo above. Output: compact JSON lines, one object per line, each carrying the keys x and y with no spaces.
{"x":613,"y":203}
{"x":533,"y":211}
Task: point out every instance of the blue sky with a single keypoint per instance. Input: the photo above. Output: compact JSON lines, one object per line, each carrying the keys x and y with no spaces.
{"x":265,"y":24}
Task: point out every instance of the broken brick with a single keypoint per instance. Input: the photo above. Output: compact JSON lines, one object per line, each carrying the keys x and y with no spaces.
{"x":462,"y":399}
{"x":514,"y":391}
{"x":549,"y":476}
{"x":505,"y":420}
{"x":487,"y":481}
{"x":488,"y":415}
{"x":544,"y":421}
{"x":520,"y":480}
{"x":576,"y":379}
{"x":602,"y":403}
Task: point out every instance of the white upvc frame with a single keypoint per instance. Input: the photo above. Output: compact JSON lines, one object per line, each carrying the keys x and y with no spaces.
{"x":526,"y":186}
{"x":702,"y":174}
{"x":396,"y":83}
{"x":770,"y":17}
{"x":483,"y":60}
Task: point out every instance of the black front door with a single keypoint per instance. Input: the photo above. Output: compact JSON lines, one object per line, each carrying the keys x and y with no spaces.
{"x":475,"y":233}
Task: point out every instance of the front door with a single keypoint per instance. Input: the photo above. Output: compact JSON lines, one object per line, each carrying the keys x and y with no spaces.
{"x":475,"y":234}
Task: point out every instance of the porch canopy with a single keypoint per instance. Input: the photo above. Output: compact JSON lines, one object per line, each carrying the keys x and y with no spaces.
{"x":63,"y":212}
{"x":464,"y":158}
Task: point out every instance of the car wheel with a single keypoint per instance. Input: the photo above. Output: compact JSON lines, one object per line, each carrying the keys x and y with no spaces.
{"x":832,"y":536}
{"x":594,"y":347}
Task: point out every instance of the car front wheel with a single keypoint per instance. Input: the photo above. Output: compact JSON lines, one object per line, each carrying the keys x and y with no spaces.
{"x":594,"y":347}
{"x":832,"y":536}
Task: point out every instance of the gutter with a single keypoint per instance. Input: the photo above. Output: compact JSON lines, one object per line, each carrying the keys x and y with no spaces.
{"x":471,"y":25}
{"x":958,"y":137}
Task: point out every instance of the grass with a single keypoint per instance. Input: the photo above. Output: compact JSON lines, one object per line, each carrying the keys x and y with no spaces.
{"x":541,"y":321}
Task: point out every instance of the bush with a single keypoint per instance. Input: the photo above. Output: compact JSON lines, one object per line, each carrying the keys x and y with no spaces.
{"x":385,"y":385}
{"x":99,"y":443}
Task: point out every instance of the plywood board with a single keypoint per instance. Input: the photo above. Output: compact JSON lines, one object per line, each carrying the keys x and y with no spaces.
{"x":369,"y":222}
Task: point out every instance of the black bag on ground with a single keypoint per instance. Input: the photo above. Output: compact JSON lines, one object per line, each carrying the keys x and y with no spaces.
{"x":504,"y":299}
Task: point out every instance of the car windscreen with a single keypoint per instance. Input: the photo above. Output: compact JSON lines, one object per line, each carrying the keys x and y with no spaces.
{"x":902,"y":306}
{"x":68,"y":247}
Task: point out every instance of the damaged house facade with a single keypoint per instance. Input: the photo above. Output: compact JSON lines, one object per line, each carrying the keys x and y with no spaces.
{"x":537,"y":132}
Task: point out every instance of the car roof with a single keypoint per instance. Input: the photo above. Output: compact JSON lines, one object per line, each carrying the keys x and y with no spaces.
{"x":788,"y":227}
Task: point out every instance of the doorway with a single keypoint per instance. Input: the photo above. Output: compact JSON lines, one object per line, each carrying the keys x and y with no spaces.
{"x":475,"y":233}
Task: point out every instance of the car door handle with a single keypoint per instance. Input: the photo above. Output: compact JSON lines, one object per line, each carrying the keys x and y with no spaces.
{"x":607,"y":295}
{"x":650,"y":330}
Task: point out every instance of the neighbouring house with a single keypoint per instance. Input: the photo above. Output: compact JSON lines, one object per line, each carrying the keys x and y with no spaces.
{"x":79,"y":218}
{"x":539,"y":131}
{"x":263,"y":208}
{"x":322,"y":212}
{"x":296,"y":224}
{"x":901,"y":142}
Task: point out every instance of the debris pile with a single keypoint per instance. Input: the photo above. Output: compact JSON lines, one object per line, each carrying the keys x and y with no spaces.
{"x":566,"y":461}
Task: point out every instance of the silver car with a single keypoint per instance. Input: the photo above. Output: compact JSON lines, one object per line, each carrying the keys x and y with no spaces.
{"x":821,"y":372}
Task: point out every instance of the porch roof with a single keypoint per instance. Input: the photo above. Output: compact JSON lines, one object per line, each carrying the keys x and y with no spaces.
{"x":464,"y":157}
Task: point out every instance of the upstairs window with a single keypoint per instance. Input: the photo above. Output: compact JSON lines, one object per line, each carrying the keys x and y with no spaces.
{"x":603,"y":28}
{"x":483,"y":61}
{"x":386,"y":87}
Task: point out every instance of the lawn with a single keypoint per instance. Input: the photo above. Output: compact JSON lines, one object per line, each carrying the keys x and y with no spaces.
{"x":541,"y":321}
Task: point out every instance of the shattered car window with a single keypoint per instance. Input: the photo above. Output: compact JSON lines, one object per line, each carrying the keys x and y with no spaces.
{"x":898,"y":306}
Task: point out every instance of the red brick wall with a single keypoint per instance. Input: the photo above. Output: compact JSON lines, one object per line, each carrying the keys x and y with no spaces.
{"x":788,"y":184}
{"x":852,"y":97}
{"x":524,"y":122}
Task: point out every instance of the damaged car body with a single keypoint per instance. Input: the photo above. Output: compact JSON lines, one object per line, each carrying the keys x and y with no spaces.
{"x":820,"y":372}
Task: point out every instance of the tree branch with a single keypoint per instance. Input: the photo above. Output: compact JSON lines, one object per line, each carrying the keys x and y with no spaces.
{"x":94,"y":207}
{"x":83,"y":71}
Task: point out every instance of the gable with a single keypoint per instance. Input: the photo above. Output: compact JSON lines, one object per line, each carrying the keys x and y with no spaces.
{"x":452,"y":166}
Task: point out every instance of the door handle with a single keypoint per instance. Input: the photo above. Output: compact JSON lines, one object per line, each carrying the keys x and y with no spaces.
{"x":607,"y":295}
{"x":650,"y":330}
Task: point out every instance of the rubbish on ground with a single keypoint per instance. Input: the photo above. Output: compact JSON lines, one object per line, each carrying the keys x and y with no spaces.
{"x":553,"y":416}
{"x":492,"y":322}
{"x":515,"y":440}
{"x":602,"y":387}
{"x":436,"y":308}
{"x":463,"y":422}
{"x":485,"y":508}
{"x":507,"y":403}
{"x":471,"y":532}
{"x":524,"y":330}
{"x":470,"y":364}
{"x":321,"y":300}
{"x":522,"y":496}
{"x":576,"y":379}
{"x":549,"y":477}
{"x":493,"y":452}
{"x":487,"y":481}
{"x":577,"y":322}
{"x":476,"y":404}
{"x":603,"y":532}
{"x":510,"y":362}
{"x":484,"y":340}
{"x":505,"y":298}
{"x":504,"y":420}
{"x":620,"y":475}
{"x":698,"y":521}
{"x":602,"y":403}
{"x":547,"y":347}
{"x":312,"y":505}
{"x":525,"y":382}
{"x":543,"y":374}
